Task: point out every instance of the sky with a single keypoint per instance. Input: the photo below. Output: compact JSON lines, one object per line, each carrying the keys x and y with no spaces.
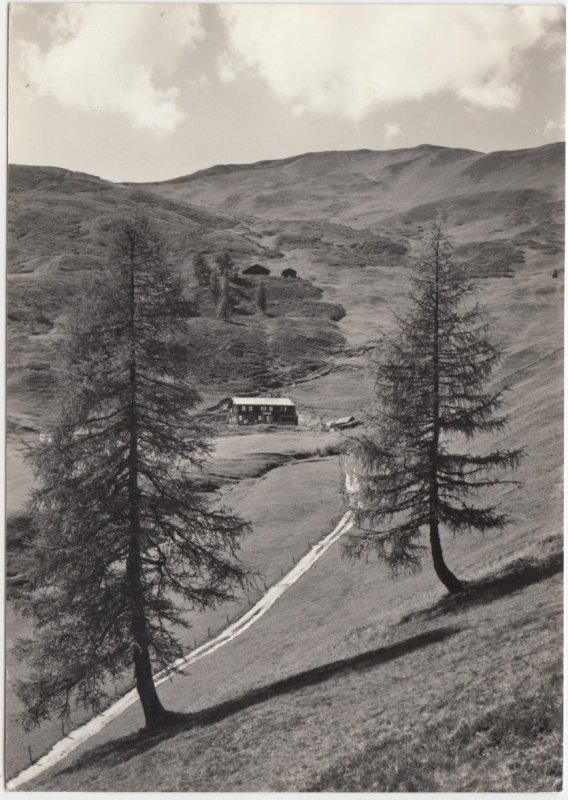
{"x":145,"y":92}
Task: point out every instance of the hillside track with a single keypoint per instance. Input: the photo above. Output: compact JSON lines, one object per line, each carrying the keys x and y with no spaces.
{"x":65,"y":746}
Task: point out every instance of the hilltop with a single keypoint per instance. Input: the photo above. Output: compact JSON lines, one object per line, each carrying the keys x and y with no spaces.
{"x":328,"y":215}
{"x":366,"y":188}
{"x":337,"y":660}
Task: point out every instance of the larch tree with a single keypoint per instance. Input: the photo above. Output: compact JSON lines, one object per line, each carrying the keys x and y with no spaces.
{"x":215,"y":286}
{"x":412,"y":472}
{"x":225,"y":304}
{"x":225,"y":264}
{"x":201,"y":269}
{"x":126,"y":544}
{"x":261,"y":297}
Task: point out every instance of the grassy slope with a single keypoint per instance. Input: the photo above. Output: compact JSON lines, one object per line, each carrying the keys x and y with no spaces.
{"x":314,"y":485}
{"x":366,"y":187}
{"x":58,"y":224}
{"x":467,"y":683}
{"x":508,"y":210}
{"x":346,"y":608}
{"x":451,"y":703}
{"x":58,"y":230}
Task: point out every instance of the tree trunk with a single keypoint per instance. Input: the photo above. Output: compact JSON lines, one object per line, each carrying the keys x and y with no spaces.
{"x":452,"y":584}
{"x":154,"y":712}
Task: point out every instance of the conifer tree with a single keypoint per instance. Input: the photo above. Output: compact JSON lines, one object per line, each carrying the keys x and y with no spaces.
{"x":225,"y":305}
{"x":225,"y":264}
{"x":215,"y":286}
{"x":201,"y":269}
{"x":261,"y":298}
{"x":126,"y":544}
{"x":413,"y":472}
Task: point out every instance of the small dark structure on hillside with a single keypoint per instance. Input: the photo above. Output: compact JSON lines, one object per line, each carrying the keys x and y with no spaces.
{"x":342,"y":424}
{"x":256,"y":269}
{"x":262,"y":410}
{"x":289,"y":273}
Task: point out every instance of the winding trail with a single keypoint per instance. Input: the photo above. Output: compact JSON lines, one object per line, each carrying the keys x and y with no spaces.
{"x":82,"y":734}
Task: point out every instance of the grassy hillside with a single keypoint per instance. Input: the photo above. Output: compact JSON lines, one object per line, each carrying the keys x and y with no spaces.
{"x":368,"y":187}
{"x":348,"y":681}
{"x":447,"y":701}
{"x":503,"y":208}
{"x":356,"y":682}
{"x":58,"y":229}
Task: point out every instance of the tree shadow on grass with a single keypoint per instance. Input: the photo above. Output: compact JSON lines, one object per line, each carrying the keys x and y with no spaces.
{"x":122,"y":750}
{"x":512,"y":578}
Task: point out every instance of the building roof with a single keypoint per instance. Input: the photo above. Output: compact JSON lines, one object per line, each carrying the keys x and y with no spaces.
{"x":257,"y":269}
{"x":262,"y":401}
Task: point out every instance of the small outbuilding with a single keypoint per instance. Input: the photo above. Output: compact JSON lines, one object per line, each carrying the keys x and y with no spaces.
{"x":342,"y":424}
{"x":262,"y":410}
{"x":256,"y":269}
{"x":289,"y":273}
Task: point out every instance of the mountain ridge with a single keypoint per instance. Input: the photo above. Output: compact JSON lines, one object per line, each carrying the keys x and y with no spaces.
{"x":223,"y":168}
{"x":364,"y":187}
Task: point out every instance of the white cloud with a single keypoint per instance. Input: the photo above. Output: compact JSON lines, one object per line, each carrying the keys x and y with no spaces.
{"x":350,"y":59}
{"x":492,"y":94}
{"x":115,"y":58}
{"x":554,"y":127}
{"x":392,"y":129}
{"x":226,"y":69}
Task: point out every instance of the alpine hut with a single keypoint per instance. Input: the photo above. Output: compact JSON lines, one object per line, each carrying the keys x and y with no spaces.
{"x":262,"y":411}
{"x":256,"y":269}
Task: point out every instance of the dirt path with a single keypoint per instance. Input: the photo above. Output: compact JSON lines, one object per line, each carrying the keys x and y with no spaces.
{"x":82,"y":734}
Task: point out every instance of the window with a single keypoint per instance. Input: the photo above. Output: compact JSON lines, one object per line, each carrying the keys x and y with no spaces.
{"x":270,"y":408}
{"x":240,"y":418}
{"x":250,"y":408}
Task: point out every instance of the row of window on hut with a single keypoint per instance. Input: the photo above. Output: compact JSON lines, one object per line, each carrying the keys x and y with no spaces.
{"x":262,"y":410}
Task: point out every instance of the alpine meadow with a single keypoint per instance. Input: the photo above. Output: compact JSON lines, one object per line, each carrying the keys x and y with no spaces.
{"x":284,"y":398}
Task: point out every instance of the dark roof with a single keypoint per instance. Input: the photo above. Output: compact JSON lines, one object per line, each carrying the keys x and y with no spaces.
{"x":256,"y":269}
{"x":289,"y":273}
